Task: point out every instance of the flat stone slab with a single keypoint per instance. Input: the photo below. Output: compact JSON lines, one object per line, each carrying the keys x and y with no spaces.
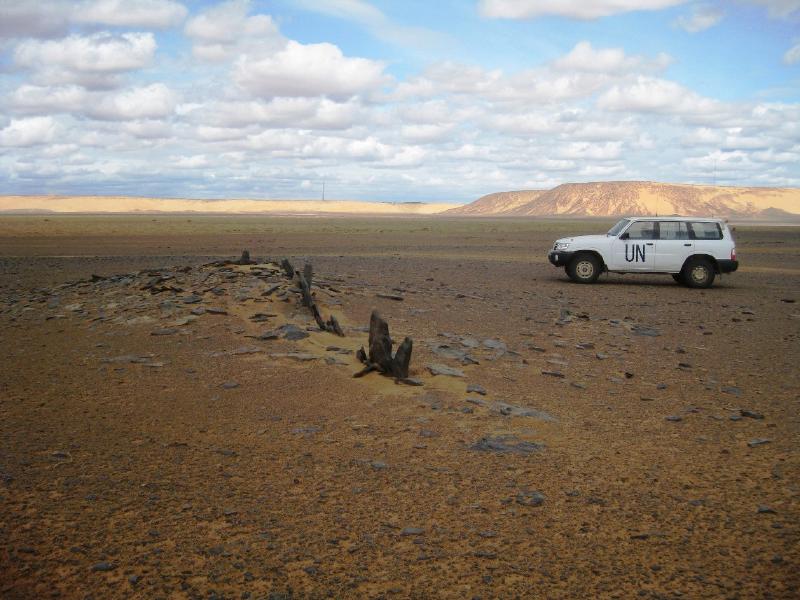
{"x":438,"y":369}
{"x":505,"y":445}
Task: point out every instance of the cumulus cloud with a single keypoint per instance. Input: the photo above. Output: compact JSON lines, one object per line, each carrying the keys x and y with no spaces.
{"x":52,"y":18}
{"x":307,"y":70}
{"x":701,"y":18}
{"x":584,"y":57}
{"x":573,"y":9}
{"x":302,"y":113}
{"x":792,"y":55}
{"x":33,"y":19}
{"x":156,"y":14}
{"x":28,"y":132}
{"x":93,"y":61}
{"x":653,"y":95}
{"x":153,"y":101}
{"x":223,"y":31}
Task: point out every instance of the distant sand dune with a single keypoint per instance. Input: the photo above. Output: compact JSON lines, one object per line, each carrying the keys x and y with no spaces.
{"x":127,"y":204}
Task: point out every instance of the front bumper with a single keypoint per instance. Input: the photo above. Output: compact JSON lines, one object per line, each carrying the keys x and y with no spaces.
{"x":560,"y":258}
{"x":727,"y":266}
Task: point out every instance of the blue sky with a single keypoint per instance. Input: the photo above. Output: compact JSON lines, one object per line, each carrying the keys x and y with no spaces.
{"x":414,"y":100}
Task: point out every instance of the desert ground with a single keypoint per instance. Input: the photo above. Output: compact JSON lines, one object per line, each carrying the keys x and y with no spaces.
{"x":173,"y":426}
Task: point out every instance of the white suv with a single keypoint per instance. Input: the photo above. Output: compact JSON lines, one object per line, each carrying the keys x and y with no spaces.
{"x":693,"y":250}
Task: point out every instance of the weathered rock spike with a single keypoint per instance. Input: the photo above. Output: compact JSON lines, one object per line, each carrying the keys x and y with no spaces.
{"x":402,"y":359}
{"x":287,"y":267}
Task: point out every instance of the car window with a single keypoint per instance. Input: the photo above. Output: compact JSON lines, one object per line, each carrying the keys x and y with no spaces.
{"x":701,"y":230}
{"x":616,"y":229}
{"x":642,"y":230}
{"x":673,"y":230}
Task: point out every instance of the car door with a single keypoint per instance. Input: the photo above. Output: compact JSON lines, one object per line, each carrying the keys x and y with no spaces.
{"x":634,"y":249}
{"x":673,"y":246}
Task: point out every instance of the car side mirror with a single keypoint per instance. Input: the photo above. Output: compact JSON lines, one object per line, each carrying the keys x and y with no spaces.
{"x":625,"y":236}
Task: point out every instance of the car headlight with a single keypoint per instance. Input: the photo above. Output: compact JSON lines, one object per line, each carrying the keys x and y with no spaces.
{"x":561,"y":246}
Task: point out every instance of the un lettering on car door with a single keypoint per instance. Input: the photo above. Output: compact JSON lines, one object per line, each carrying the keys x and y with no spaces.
{"x":637,"y":251}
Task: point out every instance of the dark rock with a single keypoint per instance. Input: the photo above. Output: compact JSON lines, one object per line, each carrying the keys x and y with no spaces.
{"x":402,"y":359}
{"x":133,"y":579}
{"x":674,"y":418}
{"x":413,"y":381}
{"x":391,"y":297}
{"x":557,"y":374}
{"x":245,"y":259}
{"x":191,"y":299}
{"x":230,"y":385}
{"x":287,"y":267}
{"x":758,"y":442}
{"x":438,"y":369}
{"x":412,"y":531}
{"x":164,"y":331}
{"x":528,"y":498}
{"x":735,"y":391}
{"x":475,"y":388}
{"x":645,"y":331}
{"x":765,"y":510}
{"x":505,"y":445}
{"x":751,"y":414}
{"x":292,"y":332}
{"x":103,"y":567}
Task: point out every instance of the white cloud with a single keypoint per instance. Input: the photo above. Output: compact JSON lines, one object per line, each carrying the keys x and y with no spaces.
{"x":302,"y":113}
{"x":649,"y":94}
{"x":584,"y":57}
{"x":573,"y":9}
{"x":43,"y":18}
{"x":33,"y":98}
{"x":701,"y":18}
{"x":223,"y":31}
{"x":778,"y":8}
{"x":792,"y":55}
{"x":153,"y":101}
{"x":426,"y":134}
{"x":307,"y":70}
{"x":157,"y":14}
{"x":374,"y":21}
{"x":52,"y":18}
{"x":91,"y":61}
{"x":591,"y":151}
{"x":28,"y":132}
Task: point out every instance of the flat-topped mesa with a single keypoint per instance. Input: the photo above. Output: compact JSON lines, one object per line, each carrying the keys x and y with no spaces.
{"x":380,"y":351}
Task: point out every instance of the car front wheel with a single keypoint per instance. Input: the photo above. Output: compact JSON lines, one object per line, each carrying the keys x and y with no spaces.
{"x":584,"y":268}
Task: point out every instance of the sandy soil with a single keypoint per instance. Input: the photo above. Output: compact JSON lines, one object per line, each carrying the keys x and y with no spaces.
{"x":636,"y":438}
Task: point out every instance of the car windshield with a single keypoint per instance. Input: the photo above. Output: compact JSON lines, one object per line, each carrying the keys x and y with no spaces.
{"x":618,"y":227}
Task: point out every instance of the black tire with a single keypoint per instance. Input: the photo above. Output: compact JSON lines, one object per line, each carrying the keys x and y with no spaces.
{"x":584,"y":268}
{"x":678,"y":277}
{"x":698,"y":273}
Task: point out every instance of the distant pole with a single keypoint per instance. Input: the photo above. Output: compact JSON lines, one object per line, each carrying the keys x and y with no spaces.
{"x":323,"y":190}
{"x":715,"y":172}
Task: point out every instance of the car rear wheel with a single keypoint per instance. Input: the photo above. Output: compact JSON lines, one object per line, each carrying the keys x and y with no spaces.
{"x":584,"y":268}
{"x":699,"y":273}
